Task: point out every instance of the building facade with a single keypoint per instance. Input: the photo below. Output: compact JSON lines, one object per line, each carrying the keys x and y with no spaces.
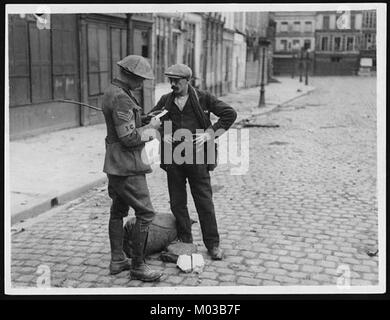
{"x":239,"y":51}
{"x":177,"y":39}
{"x":368,"y":39}
{"x":294,"y":31}
{"x":74,"y":58}
{"x":256,"y":26}
{"x":228,"y":52}
{"x":214,"y":79}
{"x":338,"y":37}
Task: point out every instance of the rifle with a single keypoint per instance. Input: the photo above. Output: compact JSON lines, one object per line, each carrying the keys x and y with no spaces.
{"x":79,"y":103}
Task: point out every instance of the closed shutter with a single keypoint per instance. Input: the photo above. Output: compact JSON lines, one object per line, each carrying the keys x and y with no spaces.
{"x":65,"y":66}
{"x":19,"y":71}
{"x":118,"y":49}
{"x":98,"y":59}
{"x":40,"y":51}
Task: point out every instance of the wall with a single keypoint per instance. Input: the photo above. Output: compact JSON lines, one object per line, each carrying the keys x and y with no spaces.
{"x":43,"y":67}
{"x":239,"y":61}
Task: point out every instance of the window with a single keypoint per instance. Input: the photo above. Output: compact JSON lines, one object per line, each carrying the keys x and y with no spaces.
{"x":40,"y":55}
{"x":335,"y":59}
{"x":369,"y":19}
{"x":283,"y":45}
{"x":350,"y":41}
{"x":189,"y":45}
{"x":353,"y":19}
{"x":297,"y":26}
{"x":98,"y":61}
{"x":141,"y":42}
{"x":296,"y":44}
{"x":64,"y":48}
{"x":19,"y":71}
{"x":43,"y":63}
{"x":118,"y":49}
{"x":325,"y":22}
{"x":369,"y":41}
{"x":308,"y":26}
{"x":284,"y":26}
{"x":307,"y":44}
{"x":162,"y":36}
{"x":337,"y":44}
{"x":324,"y":44}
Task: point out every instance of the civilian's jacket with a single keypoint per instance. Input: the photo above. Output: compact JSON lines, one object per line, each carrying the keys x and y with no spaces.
{"x":203,"y":103}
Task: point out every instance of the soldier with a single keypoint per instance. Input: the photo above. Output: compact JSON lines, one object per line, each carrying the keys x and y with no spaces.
{"x":125,"y":166}
{"x":187,"y":109}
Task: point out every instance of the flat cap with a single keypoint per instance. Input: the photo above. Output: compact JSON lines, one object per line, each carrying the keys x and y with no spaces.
{"x":179,"y":71}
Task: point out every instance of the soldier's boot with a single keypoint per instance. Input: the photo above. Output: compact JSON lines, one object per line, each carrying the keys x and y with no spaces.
{"x":118,"y":262}
{"x":139,"y":269}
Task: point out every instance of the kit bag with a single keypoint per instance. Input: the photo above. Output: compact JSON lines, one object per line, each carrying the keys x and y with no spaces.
{"x":162,"y":232}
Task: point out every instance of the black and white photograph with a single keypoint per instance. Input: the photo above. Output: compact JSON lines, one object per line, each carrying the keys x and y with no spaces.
{"x":219,"y":149}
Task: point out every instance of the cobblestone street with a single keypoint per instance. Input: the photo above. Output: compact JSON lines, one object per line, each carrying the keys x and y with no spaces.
{"x":306,"y":207}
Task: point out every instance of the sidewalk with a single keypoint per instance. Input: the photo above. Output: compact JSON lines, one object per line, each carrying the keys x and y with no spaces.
{"x":51,"y":169}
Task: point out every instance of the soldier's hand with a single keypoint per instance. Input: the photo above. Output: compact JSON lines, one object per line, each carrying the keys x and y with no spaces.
{"x":155,"y":123}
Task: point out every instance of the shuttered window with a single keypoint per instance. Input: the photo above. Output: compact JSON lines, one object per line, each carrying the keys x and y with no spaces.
{"x":65,"y":66}
{"x":19,"y":70}
{"x":98,"y":59}
{"x":162,"y":39}
{"x":40,"y":55}
{"x":118,"y":49}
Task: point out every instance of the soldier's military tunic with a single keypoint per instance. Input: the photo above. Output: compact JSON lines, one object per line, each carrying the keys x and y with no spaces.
{"x":125,"y":160}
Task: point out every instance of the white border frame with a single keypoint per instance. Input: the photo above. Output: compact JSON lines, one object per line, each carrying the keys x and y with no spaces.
{"x":381,"y":148}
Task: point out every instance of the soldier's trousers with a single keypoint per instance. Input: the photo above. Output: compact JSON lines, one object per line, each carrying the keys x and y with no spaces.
{"x":199,"y":179}
{"x":126,"y":192}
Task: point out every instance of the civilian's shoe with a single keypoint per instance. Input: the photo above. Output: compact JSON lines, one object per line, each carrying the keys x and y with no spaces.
{"x":119,"y":266}
{"x":216,"y":253}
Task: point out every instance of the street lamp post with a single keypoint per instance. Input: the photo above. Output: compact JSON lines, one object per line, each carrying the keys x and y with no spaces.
{"x":300,"y":66}
{"x":307,"y":68}
{"x":264,"y":43}
{"x":293,"y":66}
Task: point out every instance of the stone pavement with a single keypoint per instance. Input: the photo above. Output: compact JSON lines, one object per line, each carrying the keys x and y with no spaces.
{"x":304,"y":213}
{"x":54,"y":168}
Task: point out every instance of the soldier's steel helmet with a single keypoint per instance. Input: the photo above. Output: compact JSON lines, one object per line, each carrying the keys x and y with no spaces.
{"x":178,"y":71}
{"x":137,"y":65}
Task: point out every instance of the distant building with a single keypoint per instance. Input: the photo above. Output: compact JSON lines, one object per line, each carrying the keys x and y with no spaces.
{"x":239,"y":51}
{"x":294,"y":31}
{"x":212,"y":57}
{"x":257,"y":24}
{"x":338,"y":37}
{"x":177,"y":39}
{"x":227,"y":51}
{"x":368,"y":39}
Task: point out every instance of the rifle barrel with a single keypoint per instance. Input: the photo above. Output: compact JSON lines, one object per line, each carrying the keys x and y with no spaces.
{"x":79,"y":103}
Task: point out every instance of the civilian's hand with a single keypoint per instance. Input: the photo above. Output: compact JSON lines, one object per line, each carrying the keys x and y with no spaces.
{"x":201,"y":138}
{"x":168,"y":139}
